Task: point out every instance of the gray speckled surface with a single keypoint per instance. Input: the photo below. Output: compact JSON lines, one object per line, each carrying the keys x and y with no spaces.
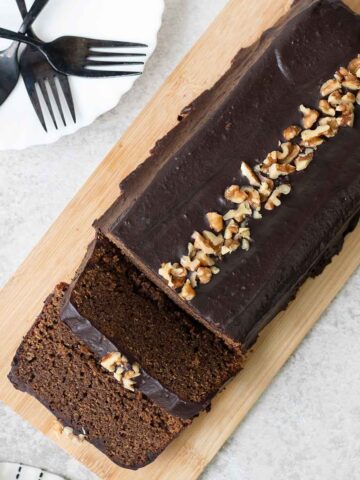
{"x":307,"y":424}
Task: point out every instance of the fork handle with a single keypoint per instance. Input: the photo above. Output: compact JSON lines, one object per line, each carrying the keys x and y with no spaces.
{"x":31,"y":16}
{"x":20,"y":37}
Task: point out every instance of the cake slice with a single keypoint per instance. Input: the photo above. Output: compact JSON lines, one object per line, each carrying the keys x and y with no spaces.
{"x":256,"y":187}
{"x":119,"y":314}
{"x":57,"y":368}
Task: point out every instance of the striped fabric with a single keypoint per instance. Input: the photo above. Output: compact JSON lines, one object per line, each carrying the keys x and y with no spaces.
{"x":16,"y":471}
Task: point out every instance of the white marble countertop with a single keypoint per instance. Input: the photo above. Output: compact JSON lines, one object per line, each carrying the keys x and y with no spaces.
{"x":307,"y":424}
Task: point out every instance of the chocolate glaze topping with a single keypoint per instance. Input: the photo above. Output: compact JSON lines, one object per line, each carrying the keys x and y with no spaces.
{"x":241,"y":119}
{"x":152,"y":388}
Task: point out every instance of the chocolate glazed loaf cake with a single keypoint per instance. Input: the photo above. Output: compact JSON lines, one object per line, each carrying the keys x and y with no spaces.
{"x":57,"y":368}
{"x":226,"y":221}
{"x":113,"y":308}
{"x":257,"y":228}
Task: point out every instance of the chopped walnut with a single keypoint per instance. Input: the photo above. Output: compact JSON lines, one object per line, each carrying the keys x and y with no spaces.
{"x":326,"y":108}
{"x":310,"y":116}
{"x":110,"y":361}
{"x":304,"y":159}
{"x":235,"y":194}
{"x":229,"y":246}
{"x":347,"y":115}
{"x":216,"y":221}
{"x":341,"y":74}
{"x":274,"y":200}
{"x":276,"y":170}
{"x":257,"y":215}
{"x":215,"y":270}
{"x":351,"y":82}
{"x":354,"y":66}
{"x":253,"y":197}
{"x":349,"y":97}
{"x":307,"y":135}
{"x":193,"y":280}
{"x":204,"y":275}
{"x":231,"y":230}
{"x":174,"y":274}
{"x":291,"y":132}
{"x":240,"y":213}
{"x":248,"y":172}
{"x":205,"y":260}
{"x":288,"y":153}
{"x":332,"y":123}
{"x":245,"y":244}
{"x":267,"y":186}
{"x":189,"y":264}
{"x":329,"y":87}
{"x":187,"y":292}
{"x":203,"y":244}
{"x":335,"y":98}
{"x":244,"y":232}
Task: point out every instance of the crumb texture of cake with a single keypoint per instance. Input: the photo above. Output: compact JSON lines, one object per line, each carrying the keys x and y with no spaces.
{"x":62,"y":373}
{"x":294,"y":75}
{"x":111,"y":295}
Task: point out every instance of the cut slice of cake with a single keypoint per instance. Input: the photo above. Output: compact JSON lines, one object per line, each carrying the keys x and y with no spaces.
{"x":256,"y":187}
{"x":57,"y":368}
{"x":125,"y":320}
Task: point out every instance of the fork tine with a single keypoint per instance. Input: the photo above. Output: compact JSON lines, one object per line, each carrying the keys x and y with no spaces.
{"x":34,"y":97}
{"x":104,"y":63}
{"x":93,"y":43}
{"x":99,"y":53}
{"x":65,"y":86}
{"x":55,"y":93}
{"x":87,"y":72}
{"x":44,"y":91}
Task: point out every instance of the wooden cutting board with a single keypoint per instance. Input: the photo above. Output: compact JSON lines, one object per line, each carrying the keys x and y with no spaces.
{"x":58,"y":254}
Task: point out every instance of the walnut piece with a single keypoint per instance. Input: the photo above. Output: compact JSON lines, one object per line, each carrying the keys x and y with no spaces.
{"x":234,"y":194}
{"x":326,"y":108}
{"x":240,"y":213}
{"x":110,"y":361}
{"x":248,"y":172}
{"x":276,"y":170}
{"x":253,"y":197}
{"x":216,"y":221}
{"x":304,"y":159}
{"x":204,"y":275}
{"x":291,"y":132}
{"x":188,"y":292}
{"x":274,"y":200}
{"x":288,"y":152}
{"x":310,"y":116}
{"x":231,"y":230}
{"x":335,"y":98}
{"x":332,"y":123}
{"x":354,"y":66}
{"x":307,"y":135}
{"x":329,"y":86}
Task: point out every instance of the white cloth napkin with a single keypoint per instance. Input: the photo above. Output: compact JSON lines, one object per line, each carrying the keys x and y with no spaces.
{"x":16,"y":471}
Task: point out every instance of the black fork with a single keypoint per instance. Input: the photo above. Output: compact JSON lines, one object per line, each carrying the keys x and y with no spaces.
{"x":36,"y":70}
{"x":74,"y":55}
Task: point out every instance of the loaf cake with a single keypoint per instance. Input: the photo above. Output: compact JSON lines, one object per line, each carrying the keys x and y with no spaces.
{"x":249,"y":195}
{"x":57,"y":368}
{"x":261,"y":177}
{"x":115,"y":309}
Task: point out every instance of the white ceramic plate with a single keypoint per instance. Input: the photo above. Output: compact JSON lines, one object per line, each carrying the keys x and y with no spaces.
{"x":130,"y":20}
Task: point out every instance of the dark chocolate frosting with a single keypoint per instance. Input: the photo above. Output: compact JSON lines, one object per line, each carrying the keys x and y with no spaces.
{"x":145,"y":383}
{"x":241,"y":119}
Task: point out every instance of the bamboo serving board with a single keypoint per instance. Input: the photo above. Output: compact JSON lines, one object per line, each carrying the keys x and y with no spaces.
{"x":59,"y":253}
